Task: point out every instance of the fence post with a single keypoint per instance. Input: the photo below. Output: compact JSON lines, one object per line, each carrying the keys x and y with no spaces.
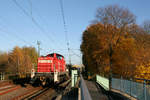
{"x":145,"y":90}
{"x":110,"y":82}
{"x":121,"y":84}
{"x":130,"y":87}
{"x":1,"y":75}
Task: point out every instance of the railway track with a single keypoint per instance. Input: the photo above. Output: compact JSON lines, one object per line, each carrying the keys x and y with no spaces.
{"x":35,"y":95}
{"x":5,"y":83}
{"x":16,"y":92}
{"x":27,"y":94}
{"x":6,"y":87}
{"x":40,"y":93}
{"x":6,"y":90}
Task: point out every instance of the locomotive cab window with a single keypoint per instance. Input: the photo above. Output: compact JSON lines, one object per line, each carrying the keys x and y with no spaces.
{"x":50,"y":55}
{"x":59,"y":56}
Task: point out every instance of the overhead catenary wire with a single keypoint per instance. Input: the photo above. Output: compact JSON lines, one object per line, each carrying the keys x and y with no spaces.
{"x":4,"y":37}
{"x":33,"y":20}
{"x":30,"y":2}
{"x":52,"y":34}
{"x":3,"y":29}
{"x":76,"y":54}
{"x":15,"y":36}
{"x":65,"y":29}
{"x":37,"y":13}
{"x":64,"y":22}
{"x":31,"y":13}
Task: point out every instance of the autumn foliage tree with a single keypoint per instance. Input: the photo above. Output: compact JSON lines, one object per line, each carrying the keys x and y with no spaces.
{"x":19,"y":60}
{"x":95,"y":49}
{"x":3,"y":61}
{"x":142,"y":38}
{"x":114,"y":44}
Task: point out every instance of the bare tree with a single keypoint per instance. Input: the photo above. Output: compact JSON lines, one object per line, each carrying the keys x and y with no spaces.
{"x":115,"y":15}
{"x":146,"y":26}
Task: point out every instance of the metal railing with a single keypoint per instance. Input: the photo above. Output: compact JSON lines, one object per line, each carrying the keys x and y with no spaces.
{"x":85,"y":95}
{"x":140,"y":91}
{"x":104,"y":82}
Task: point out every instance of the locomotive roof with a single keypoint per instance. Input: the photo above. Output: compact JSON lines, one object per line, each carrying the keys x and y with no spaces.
{"x":56,"y":54}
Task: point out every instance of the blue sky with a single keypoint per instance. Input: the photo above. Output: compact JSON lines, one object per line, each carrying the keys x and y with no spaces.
{"x":16,"y":28}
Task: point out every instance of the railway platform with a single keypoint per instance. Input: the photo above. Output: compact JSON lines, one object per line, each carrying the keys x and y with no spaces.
{"x":95,"y":92}
{"x":91,"y":90}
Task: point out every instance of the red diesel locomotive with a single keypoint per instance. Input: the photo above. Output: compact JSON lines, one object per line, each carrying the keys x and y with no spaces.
{"x":51,"y":63}
{"x":50,"y":68}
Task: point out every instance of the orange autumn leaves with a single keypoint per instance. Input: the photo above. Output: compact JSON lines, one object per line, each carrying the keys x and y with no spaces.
{"x":129,"y":50}
{"x":19,"y":60}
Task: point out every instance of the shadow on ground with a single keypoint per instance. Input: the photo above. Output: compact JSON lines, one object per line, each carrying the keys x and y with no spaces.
{"x":71,"y":95}
{"x":112,"y":95}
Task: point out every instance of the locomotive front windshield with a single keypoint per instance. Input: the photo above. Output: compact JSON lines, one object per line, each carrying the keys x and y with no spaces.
{"x":58,"y":56}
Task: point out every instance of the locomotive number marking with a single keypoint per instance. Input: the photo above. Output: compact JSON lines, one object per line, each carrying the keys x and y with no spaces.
{"x":45,"y":61}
